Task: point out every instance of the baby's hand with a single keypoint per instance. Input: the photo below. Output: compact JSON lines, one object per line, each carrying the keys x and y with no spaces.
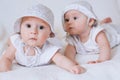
{"x":77,"y":69}
{"x":94,"y":62}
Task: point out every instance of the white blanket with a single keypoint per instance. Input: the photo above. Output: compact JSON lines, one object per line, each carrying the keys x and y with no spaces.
{"x":109,"y":70}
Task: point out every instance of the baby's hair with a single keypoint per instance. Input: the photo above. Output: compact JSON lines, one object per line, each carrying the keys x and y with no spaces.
{"x":95,"y":23}
{"x":52,"y":35}
{"x":17,"y":33}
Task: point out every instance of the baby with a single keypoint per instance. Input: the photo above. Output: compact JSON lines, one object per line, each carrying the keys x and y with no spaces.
{"x":30,"y":46}
{"x":86,"y":35}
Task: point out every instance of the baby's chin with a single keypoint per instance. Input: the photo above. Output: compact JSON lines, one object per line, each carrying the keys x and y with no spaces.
{"x":72,"y":32}
{"x":34,"y":45}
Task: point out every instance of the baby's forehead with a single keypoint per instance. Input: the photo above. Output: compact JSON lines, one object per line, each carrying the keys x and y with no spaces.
{"x":73,"y":12}
{"x":32,"y":18}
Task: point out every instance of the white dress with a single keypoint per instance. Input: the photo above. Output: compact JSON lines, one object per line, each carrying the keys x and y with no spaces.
{"x":90,"y":46}
{"x":42,"y":55}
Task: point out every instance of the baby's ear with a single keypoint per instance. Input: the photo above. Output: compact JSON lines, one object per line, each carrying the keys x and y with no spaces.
{"x":92,"y":22}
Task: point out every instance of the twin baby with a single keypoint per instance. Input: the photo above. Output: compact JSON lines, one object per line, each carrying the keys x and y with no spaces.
{"x":30,"y":47}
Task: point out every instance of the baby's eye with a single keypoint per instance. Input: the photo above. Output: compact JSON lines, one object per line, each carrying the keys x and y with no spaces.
{"x":75,"y":18}
{"x":66,"y":20}
{"x":28,"y":25}
{"x":41,"y":27}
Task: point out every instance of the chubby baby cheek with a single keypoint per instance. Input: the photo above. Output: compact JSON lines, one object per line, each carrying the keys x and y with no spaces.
{"x":42,"y":38}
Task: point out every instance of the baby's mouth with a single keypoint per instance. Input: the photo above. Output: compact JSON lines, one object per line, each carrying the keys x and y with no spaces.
{"x":70,"y":28}
{"x":35,"y":39}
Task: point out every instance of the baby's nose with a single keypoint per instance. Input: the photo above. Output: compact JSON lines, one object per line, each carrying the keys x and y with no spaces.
{"x":34,"y":31}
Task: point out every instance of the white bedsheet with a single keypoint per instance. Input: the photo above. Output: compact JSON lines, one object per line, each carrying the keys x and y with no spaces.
{"x":109,"y":70}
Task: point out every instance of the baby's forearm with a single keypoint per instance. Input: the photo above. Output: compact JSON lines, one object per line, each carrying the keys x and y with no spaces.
{"x":5,"y":64}
{"x":71,"y":57}
{"x":63,"y":62}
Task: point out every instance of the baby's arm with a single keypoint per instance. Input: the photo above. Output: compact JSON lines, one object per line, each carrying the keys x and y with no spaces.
{"x":67,"y":64}
{"x":103,"y":43}
{"x":104,"y":46}
{"x":7,"y":58}
{"x":70,"y":52}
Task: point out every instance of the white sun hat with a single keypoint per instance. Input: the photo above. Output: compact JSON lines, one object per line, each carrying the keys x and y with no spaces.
{"x":39,"y":11}
{"x":82,"y":6}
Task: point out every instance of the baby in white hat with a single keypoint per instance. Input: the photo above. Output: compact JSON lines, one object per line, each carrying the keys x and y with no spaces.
{"x":85,"y":35}
{"x":30,"y":46}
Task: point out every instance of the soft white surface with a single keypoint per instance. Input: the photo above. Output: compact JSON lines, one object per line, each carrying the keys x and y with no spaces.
{"x":108,"y":70}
